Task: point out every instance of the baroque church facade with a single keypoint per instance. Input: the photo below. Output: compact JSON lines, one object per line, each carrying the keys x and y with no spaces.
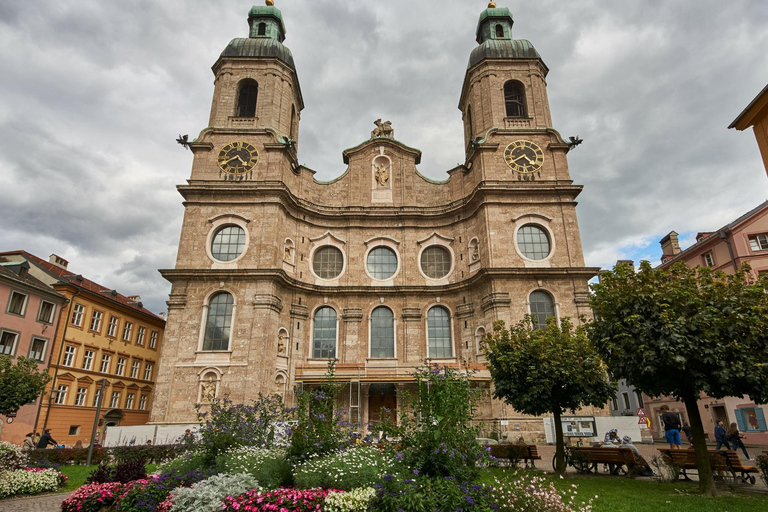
{"x":381,"y":268}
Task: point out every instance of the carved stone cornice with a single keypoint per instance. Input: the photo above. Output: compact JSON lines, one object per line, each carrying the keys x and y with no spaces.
{"x":299,"y":311}
{"x":176,"y":301}
{"x":352,"y":315}
{"x":581,"y":298}
{"x":495,"y":300}
{"x":267,"y":301}
{"x":465,"y":310}
{"x":411,"y":314}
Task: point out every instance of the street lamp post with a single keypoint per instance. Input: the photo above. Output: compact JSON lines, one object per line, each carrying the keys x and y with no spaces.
{"x":96,"y":420}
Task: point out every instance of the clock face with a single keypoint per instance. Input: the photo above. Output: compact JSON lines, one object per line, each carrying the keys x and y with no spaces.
{"x":524,"y":156}
{"x":238,"y":158}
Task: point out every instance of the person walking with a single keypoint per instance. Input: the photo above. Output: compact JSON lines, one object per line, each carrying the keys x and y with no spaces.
{"x":720,"y":436}
{"x":29,"y":443}
{"x":671,"y":427}
{"x":46,"y":440}
{"x":688,"y":433}
{"x":734,"y":438}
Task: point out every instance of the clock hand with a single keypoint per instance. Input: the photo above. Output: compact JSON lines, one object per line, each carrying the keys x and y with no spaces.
{"x":233,"y":158}
{"x":241,"y":160}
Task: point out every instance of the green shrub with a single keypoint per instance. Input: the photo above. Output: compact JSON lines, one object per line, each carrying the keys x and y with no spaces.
{"x":207,"y":495}
{"x":357,"y":500}
{"x":184,"y":464}
{"x":762,"y":464}
{"x":425,"y":494}
{"x":268,"y":466}
{"x":355,"y":467}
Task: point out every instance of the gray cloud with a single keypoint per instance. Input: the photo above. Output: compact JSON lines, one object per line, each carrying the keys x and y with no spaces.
{"x":93,"y":93}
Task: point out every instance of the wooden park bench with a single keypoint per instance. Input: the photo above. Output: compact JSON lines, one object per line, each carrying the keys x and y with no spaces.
{"x":586,"y":459}
{"x":510,"y":454}
{"x":722,"y":462}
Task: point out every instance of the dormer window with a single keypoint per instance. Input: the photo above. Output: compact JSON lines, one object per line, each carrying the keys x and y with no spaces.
{"x":499,"y":32}
{"x":246,"y":98}
{"x":514,"y":99}
{"x":262,"y":29}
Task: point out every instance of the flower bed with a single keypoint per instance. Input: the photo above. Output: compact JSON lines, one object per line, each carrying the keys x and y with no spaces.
{"x":284,"y":500}
{"x":30,"y":481}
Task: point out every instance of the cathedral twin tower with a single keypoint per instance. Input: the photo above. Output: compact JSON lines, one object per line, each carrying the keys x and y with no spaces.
{"x":380,"y":269}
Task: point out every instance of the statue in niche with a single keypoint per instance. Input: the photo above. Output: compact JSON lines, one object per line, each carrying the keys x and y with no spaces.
{"x":382,"y":175}
{"x":288,"y":253}
{"x":383,"y":129}
{"x":281,"y":343}
{"x":475,"y":254}
{"x":208,"y":390}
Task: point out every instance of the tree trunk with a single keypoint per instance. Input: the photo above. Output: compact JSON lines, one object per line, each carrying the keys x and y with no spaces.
{"x":559,"y":445}
{"x":706,"y":481}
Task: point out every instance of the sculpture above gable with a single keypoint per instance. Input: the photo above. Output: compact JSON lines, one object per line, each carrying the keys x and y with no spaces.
{"x":383,"y":129}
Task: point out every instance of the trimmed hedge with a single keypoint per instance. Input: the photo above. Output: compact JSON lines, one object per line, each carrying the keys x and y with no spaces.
{"x":150,"y":454}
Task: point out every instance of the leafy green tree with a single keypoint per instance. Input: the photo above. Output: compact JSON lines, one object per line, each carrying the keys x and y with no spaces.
{"x":684,"y":331}
{"x":549,"y":370}
{"x":20,"y":383}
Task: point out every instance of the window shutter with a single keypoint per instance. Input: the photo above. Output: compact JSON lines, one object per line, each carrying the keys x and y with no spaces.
{"x":760,"y":419}
{"x":741,"y":420}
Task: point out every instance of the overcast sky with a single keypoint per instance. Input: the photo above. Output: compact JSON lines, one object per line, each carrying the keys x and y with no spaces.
{"x":94,"y":92}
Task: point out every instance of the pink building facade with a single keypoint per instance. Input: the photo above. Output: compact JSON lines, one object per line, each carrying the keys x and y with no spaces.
{"x":29,"y":316}
{"x":727,"y":249}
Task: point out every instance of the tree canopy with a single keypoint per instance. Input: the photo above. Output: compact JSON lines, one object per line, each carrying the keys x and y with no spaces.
{"x":20,"y":383}
{"x":549,"y":370}
{"x":684,"y":331}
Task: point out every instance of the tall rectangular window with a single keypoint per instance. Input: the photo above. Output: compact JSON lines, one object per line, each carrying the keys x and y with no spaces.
{"x":112,"y":328}
{"x":45,"y":314}
{"x":147,"y":371}
{"x":77,"y":315}
{"x":140,"y":335}
{"x":758,"y":242}
{"x":69,"y":356}
{"x":97,"y":396}
{"x":96,"y":321}
{"x":115,"y":402}
{"x":88,"y":360}
{"x":61,"y":394}
{"x":8,"y":342}
{"x":127,"y":331}
{"x":135,"y":370}
{"x":625,"y":396}
{"x":153,"y":340}
{"x":18,"y":303}
{"x":615,"y":403}
{"x":120,"y":366}
{"x":129,"y":400}
{"x":709,"y":259}
{"x":105,"y":363}
{"x":143,"y":402}
{"x":640,"y":402}
{"x":82,"y":393}
{"x":37,"y":349}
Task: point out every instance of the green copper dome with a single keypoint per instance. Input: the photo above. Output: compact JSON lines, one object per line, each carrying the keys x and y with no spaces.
{"x":494,"y":35}
{"x":265,"y":39}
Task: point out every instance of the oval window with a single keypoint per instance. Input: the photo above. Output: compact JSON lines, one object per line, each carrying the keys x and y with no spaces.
{"x":435,"y":262}
{"x":533,"y":242}
{"x":228,"y":243}
{"x":382,"y":263}
{"x":328,"y":262}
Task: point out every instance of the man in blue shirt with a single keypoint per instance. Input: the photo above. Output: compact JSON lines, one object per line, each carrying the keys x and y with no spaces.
{"x":720,"y":436}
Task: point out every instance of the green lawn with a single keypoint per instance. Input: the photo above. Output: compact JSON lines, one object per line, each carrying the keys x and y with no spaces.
{"x":619,"y":494}
{"x":78,"y":474}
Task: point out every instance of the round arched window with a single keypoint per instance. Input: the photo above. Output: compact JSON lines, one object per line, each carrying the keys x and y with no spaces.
{"x":533,"y":242}
{"x":228,"y":243}
{"x":382,"y":263}
{"x":328,"y":262}
{"x":542,"y":307}
{"x":435,"y":262}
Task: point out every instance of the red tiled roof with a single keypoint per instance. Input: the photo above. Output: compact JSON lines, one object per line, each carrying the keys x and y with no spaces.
{"x":27,"y":280}
{"x":81,"y":282}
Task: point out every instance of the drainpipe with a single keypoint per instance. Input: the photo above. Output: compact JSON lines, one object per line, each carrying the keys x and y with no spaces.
{"x":724,"y":237}
{"x":58,"y":360}
{"x":50,"y":358}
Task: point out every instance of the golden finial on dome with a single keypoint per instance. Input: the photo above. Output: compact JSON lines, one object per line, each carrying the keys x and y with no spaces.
{"x":491,"y":5}
{"x":270,"y":2}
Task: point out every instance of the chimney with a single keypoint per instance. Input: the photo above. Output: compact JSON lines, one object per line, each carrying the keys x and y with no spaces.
{"x":670,"y":247}
{"x":58,"y":261}
{"x":134,"y":298}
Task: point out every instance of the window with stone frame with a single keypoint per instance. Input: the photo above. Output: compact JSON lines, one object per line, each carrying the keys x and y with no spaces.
{"x":439,"y":338}
{"x":514,"y":99}
{"x":8,"y":342}
{"x":82,"y":394}
{"x":709,"y":259}
{"x":88,"y":360}
{"x":96,"y":317}
{"x":17,"y":304}
{"x":69,"y":356}
{"x":97,"y":397}
{"x":247,"y":95}
{"x":37,"y":349}
{"x":115,"y":401}
{"x":127,"y":330}
{"x":542,"y":307}
{"x":129,"y":400}
{"x":153,"y":339}
{"x":533,"y":242}
{"x":112,"y":327}
{"x":120,"y":370}
{"x":324,"y":333}
{"x":78,"y":310}
{"x":328,"y":262}
{"x":135,"y":370}
{"x":143,"y":402}
{"x":147,"y":371}
{"x":218,"y":322}
{"x":758,"y":242}
{"x":436,"y":262}
{"x":61,"y":394}
{"x":141,"y":335}
{"x":382,"y":332}
{"x":382,"y":262}
{"x":228,"y":243}
{"x":105,"y":360}
{"x":47,"y":309}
